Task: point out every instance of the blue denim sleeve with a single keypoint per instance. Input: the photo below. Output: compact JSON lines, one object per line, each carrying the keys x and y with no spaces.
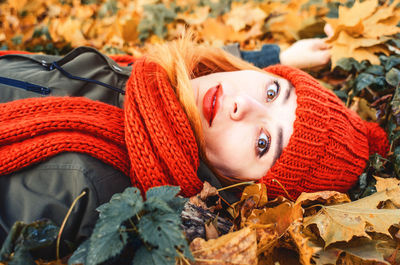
{"x":268,"y":55}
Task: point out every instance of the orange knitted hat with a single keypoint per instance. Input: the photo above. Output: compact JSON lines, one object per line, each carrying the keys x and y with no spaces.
{"x":330,"y":144}
{"x":150,"y":140}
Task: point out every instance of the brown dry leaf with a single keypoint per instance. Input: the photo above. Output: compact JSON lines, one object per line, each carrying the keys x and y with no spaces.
{"x":322,"y":197}
{"x":363,"y":109}
{"x":128,"y":28}
{"x":200,"y":199}
{"x":211,"y":230}
{"x":282,"y":215}
{"x":267,"y":238}
{"x":385,"y":183}
{"x":197,"y":16}
{"x":289,"y":20}
{"x":357,"y":252}
{"x":305,"y":249}
{"x":207,"y":191}
{"x":238,"y":247}
{"x":256,"y":191}
{"x":69,"y":30}
{"x":17,"y":5}
{"x":242,"y":15}
{"x":343,"y":222}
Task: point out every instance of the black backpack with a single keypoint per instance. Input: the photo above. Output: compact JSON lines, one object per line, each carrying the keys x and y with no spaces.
{"x":84,"y":72}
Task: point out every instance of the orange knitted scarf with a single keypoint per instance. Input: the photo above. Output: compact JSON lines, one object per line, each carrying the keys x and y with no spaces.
{"x":150,"y":140}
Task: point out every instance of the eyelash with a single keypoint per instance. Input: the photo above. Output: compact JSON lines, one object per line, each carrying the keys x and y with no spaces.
{"x":262,"y":150}
{"x":278,"y":88}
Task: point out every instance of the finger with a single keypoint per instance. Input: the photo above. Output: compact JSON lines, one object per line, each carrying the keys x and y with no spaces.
{"x":328,"y":30}
{"x":320,"y":44}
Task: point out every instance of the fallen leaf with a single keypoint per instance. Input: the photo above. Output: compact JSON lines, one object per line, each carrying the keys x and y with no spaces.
{"x":242,"y":15}
{"x":343,"y":222}
{"x":322,"y":197}
{"x":196,"y":16}
{"x":238,"y":247}
{"x":200,"y":199}
{"x":301,"y":241}
{"x":282,"y":216}
{"x":360,"y":31}
{"x":214,"y":29}
{"x":128,"y":28}
{"x":256,"y":191}
{"x":211,"y":230}
{"x":358,"y":12}
{"x":385,"y":183}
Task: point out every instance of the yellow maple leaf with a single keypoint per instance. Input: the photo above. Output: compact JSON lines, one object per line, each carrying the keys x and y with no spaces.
{"x":358,"y":12}
{"x":242,"y":15}
{"x":345,"y":221}
{"x":214,"y":29}
{"x":360,"y":31}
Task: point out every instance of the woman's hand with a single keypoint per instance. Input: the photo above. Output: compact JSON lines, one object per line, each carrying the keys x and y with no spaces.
{"x":308,"y":53}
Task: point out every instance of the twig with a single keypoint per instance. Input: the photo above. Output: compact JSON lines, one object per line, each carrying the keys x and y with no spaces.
{"x":65,"y":221}
{"x":236,"y":185}
{"x":283,"y":188}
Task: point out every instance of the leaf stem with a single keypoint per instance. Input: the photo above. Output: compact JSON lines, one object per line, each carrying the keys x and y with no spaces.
{"x":65,"y":221}
{"x":236,"y":185}
{"x":283,"y":188}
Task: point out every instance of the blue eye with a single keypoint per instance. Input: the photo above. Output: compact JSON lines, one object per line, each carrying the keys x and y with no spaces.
{"x":263,"y":144}
{"x":272,"y":91}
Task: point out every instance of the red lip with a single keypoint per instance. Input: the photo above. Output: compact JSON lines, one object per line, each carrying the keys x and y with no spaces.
{"x":211,"y":103}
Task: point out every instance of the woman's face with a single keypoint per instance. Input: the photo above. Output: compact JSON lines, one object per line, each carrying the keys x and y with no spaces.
{"x":247,"y":117}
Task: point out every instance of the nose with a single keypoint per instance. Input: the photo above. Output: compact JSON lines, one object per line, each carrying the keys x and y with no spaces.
{"x":243,"y":106}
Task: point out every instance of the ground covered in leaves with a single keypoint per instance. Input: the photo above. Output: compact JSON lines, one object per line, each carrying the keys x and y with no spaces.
{"x":361,"y":227}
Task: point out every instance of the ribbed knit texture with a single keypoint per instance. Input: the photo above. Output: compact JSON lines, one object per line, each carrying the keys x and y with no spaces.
{"x":151,"y":140}
{"x":330,"y":144}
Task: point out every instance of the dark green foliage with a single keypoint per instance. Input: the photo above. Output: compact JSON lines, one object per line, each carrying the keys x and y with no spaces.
{"x":150,"y":229}
{"x":24,"y":238}
{"x":156,"y":17}
{"x":380,"y":86}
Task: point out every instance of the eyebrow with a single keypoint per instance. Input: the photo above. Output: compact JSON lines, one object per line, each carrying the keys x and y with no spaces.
{"x":288,"y":93}
{"x":279,"y":145}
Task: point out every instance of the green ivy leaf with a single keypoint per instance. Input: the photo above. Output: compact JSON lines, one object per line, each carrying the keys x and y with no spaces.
{"x":162,"y":231}
{"x":143,"y":256}
{"x":375,"y":70}
{"x":166,"y":194}
{"x":109,"y":238}
{"x":154,"y":204}
{"x":22,"y":256}
{"x":80,"y":254}
{"x":23,"y":238}
{"x":105,"y":243}
{"x":363,"y":80}
{"x":121,"y":206}
{"x":348,"y":64}
{"x":393,"y":77}
{"x":391,"y":62}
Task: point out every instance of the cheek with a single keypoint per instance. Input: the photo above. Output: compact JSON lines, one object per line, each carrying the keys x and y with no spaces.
{"x":226,"y":150}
